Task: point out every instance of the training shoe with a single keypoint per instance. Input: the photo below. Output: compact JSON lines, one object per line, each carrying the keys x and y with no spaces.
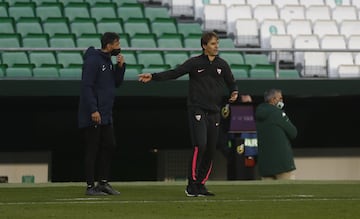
{"x":191,"y":190}
{"x":95,"y":191}
{"x":203,"y":191}
{"x":106,"y":188}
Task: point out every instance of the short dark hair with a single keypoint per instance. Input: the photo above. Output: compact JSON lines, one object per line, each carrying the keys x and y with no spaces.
{"x":206,"y":37}
{"x":108,"y":38}
{"x":270,"y":94}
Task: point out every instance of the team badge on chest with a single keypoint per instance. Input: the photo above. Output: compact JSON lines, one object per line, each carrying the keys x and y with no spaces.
{"x":218,"y":71}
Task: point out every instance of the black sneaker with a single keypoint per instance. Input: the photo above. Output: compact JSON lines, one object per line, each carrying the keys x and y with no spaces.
{"x":203,"y":191}
{"x":106,"y":188}
{"x":95,"y":191}
{"x":191,"y":190}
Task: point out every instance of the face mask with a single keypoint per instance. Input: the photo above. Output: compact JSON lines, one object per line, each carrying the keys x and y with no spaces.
{"x":115,"y":52}
{"x":280,"y":105}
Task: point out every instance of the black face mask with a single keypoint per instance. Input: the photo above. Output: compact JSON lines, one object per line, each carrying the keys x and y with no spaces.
{"x":115,"y":52}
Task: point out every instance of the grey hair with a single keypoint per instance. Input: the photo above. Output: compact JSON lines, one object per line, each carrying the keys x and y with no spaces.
{"x":269,"y":94}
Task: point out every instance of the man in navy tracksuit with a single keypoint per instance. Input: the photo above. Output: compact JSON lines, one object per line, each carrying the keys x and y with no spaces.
{"x":207,"y":75}
{"x":100,"y":78}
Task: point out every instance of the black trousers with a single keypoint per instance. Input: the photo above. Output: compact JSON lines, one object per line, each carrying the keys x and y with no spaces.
{"x":99,"y":147}
{"x":204,"y":130}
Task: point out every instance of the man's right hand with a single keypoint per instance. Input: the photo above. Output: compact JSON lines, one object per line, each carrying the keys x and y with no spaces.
{"x":95,"y":117}
{"x":145,"y":77}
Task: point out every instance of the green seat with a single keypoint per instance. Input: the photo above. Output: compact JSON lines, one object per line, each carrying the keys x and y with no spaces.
{"x":130,"y":10}
{"x":22,"y":9}
{"x":49,"y":9}
{"x":12,"y":58}
{"x":232,"y":57}
{"x":132,"y":71}
{"x":137,"y":25}
{"x":46,"y":72}
{"x":175,"y":58}
{"x":72,"y":72}
{"x":54,"y":26}
{"x":83,"y":26}
{"x":4,"y":7}
{"x":254,"y":59}
{"x":192,"y":41}
{"x":124,"y":40}
{"x":76,"y":10}
{"x":156,"y":12}
{"x":187,"y":29}
{"x":20,"y":71}
{"x":93,"y":2}
{"x":62,"y":41}
{"x":110,"y":25}
{"x":122,"y":2}
{"x":262,"y":72}
{"x":3,"y":68}
{"x":7,"y":25}
{"x":226,"y":43}
{"x":42,"y":58}
{"x":40,"y":2}
{"x":130,"y":57}
{"x":66,"y":2}
{"x":288,"y":74}
{"x":156,"y":68}
{"x":185,"y":77}
{"x":148,"y":58}
{"x":169,"y":40}
{"x":35,"y":40}
{"x":144,"y":41}
{"x":240,"y":71}
{"x":102,"y":10}
{"x":87,"y":40}
{"x":26,"y":25}
{"x":66,"y":58}
{"x":163,"y":25}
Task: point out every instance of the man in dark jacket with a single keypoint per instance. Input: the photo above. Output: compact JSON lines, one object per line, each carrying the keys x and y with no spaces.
{"x":100,"y":78}
{"x":274,"y":132}
{"x":208,"y":73}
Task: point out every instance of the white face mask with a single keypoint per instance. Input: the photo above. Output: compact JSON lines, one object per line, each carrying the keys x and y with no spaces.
{"x":280,"y":105}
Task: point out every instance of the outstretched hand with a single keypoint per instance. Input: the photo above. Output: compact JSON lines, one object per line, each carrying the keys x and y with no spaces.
{"x":233,"y":97}
{"x":145,"y":77}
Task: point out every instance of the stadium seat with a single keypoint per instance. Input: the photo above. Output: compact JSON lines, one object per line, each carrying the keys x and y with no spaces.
{"x":175,"y":58}
{"x":183,"y":8}
{"x":66,"y":2}
{"x":353,"y":42}
{"x":240,"y":71}
{"x":87,"y":40}
{"x":317,"y":12}
{"x":291,"y":12}
{"x":281,"y":42}
{"x":308,"y":3}
{"x":35,"y":41}
{"x":283,"y":3}
{"x":41,"y":58}
{"x":11,"y":58}
{"x":130,"y":10}
{"x":142,"y":40}
{"x":268,"y":28}
{"x":255,"y":3}
{"x":130,"y":58}
{"x":343,"y":13}
{"x":337,"y":3}
{"x":156,"y":68}
{"x":214,"y":18}
{"x":262,"y":72}
{"x":72,"y":72}
{"x":229,"y":3}
{"x":7,"y":25}
{"x":235,"y":12}
{"x":156,"y":12}
{"x":9,"y":40}
{"x":62,"y":41}
{"x":20,"y":71}
{"x":299,"y":27}
{"x":325,"y":27}
{"x":336,"y":59}
{"x":193,"y":41}
{"x":110,"y":25}
{"x":163,"y":25}
{"x":350,"y":27}
{"x":76,"y":10}
{"x":226,"y":43}
{"x":46,"y":73}
{"x":147,"y":58}
{"x":49,"y":9}
{"x":232,"y":57}
{"x":124,"y":40}
{"x":40,"y":2}
{"x":101,"y":10}
{"x":262,"y":12}
{"x":188,"y":28}
{"x":256,"y":59}
{"x":54,"y":26}
{"x":4,"y":6}
{"x":26,"y":25}
{"x":83,"y":26}
{"x":22,"y":9}
{"x":132,"y":71}
{"x":246,"y":34}
{"x":137,"y":25}
{"x":66,"y":58}
{"x":288,"y":74}
{"x":170,"y":40}
{"x":349,"y":71}
{"x":333,"y":42}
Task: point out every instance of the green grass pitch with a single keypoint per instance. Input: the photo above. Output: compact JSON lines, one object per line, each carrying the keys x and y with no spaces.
{"x":234,"y":199}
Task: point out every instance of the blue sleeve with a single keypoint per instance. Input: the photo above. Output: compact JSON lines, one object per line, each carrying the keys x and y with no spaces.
{"x":89,"y":75}
{"x":119,"y":74}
